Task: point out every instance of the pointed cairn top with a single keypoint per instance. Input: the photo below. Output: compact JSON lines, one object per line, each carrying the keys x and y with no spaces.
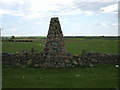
{"x":54,"y":29}
{"x":54,"y":19}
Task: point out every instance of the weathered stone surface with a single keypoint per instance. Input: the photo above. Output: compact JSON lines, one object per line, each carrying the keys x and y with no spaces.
{"x":9,"y":59}
{"x":55,"y":53}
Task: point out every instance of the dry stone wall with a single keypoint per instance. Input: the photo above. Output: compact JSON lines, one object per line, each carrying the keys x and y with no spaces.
{"x":37,"y":60}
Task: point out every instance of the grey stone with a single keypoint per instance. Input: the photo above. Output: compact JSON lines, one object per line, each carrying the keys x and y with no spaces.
{"x":55,"y":45}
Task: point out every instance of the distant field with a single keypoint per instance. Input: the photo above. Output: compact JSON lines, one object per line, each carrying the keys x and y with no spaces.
{"x":105,"y":76}
{"x":74,"y":46}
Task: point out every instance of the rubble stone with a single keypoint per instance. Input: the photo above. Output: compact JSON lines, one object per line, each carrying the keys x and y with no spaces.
{"x":55,"y":46}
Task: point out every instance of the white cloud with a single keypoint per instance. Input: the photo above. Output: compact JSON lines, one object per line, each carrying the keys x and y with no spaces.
{"x":96,"y":8}
{"x":89,"y":13}
{"x":70,"y":12}
{"x":34,"y":9}
{"x":12,"y":12}
{"x":11,"y":2}
{"x":110,"y":9}
{"x":106,"y":24}
{"x":38,"y":9}
{"x":5,"y":11}
{"x":112,"y":24}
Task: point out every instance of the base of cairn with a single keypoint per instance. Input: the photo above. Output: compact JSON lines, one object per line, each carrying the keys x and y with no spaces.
{"x":59,"y":60}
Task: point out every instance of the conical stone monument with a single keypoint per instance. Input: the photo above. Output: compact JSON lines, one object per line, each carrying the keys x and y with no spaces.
{"x":55,"y":54}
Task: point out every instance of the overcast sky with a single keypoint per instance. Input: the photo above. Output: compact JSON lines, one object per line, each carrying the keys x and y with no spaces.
{"x":77,"y":17}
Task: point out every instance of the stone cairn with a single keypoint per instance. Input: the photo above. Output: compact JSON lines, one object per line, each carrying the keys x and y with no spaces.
{"x":55,"y":55}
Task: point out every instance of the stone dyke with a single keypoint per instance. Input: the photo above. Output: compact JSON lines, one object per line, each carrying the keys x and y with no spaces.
{"x":29,"y":59}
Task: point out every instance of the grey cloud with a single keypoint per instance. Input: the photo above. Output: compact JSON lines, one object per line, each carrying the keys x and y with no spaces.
{"x":92,"y":6}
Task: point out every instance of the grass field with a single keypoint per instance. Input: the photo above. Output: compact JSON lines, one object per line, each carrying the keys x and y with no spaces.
{"x":84,"y":77}
{"x":74,"y":46}
{"x":101,"y":76}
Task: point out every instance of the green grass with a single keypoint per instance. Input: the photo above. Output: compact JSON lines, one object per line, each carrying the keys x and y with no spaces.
{"x":93,"y":45}
{"x":82,"y":77}
{"x":101,"y":76}
{"x":19,"y":46}
{"x":74,"y":46}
